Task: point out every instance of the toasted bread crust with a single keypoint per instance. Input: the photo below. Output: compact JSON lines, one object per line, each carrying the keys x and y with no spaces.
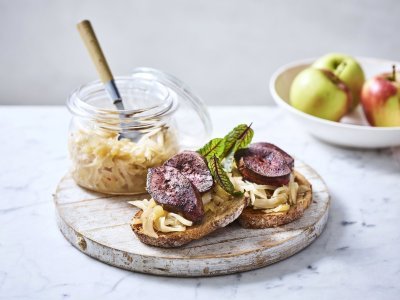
{"x":257,"y":219}
{"x":225,"y":214}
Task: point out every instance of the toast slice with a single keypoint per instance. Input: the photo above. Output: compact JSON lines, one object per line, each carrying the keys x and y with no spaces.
{"x":225,"y":214}
{"x":257,"y":219}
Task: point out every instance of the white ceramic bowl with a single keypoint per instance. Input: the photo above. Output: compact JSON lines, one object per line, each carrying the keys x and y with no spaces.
{"x":352,"y":130}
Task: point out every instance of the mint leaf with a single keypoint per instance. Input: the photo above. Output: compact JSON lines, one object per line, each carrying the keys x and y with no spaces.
{"x":213,"y":147}
{"x":221,"y":177}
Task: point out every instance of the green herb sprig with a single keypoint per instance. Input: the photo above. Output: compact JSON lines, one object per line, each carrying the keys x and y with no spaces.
{"x":214,"y":147}
{"x":238,"y":138}
{"x":221,"y":177}
{"x":220,"y":150}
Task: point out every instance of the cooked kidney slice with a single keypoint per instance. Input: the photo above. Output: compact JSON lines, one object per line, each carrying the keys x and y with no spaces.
{"x":172,"y":190}
{"x":263,"y":166}
{"x":262,"y":145}
{"x":193,"y":166}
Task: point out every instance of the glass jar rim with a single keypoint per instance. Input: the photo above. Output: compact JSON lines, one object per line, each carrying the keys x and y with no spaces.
{"x":78,"y":106}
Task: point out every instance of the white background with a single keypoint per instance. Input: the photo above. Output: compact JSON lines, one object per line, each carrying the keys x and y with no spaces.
{"x":225,"y":50}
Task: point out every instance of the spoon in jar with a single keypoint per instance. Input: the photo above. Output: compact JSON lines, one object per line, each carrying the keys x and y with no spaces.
{"x":93,"y":46}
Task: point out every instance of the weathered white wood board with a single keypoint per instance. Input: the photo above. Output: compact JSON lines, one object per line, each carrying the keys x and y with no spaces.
{"x":98,"y":225}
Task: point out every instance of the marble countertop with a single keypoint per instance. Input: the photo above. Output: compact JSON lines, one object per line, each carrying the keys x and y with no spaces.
{"x":357,"y":256}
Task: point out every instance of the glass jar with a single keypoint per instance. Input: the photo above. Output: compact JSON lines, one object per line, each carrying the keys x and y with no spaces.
{"x":112,"y":150}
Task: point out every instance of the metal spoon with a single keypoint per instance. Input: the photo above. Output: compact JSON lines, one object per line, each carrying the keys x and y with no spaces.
{"x":92,"y":44}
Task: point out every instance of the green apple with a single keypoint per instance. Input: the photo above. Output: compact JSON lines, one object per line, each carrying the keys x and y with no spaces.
{"x":380,"y":99}
{"x":347,"y":69}
{"x":320,"y":93}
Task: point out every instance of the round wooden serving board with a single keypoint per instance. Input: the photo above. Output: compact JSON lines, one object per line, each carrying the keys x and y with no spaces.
{"x":98,"y":225}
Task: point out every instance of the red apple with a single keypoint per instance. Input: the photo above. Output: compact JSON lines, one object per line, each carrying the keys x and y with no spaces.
{"x":380,"y":99}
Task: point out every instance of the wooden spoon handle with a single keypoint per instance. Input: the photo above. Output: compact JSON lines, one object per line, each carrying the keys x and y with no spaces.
{"x":92,"y":44}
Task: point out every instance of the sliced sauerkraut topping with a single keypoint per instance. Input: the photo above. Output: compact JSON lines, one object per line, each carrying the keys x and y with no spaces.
{"x":214,"y":198}
{"x":269,"y":198}
{"x":106,"y":164}
{"x":155,"y":218}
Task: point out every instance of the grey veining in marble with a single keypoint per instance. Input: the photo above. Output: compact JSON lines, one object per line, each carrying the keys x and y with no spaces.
{"x":356,"y":257}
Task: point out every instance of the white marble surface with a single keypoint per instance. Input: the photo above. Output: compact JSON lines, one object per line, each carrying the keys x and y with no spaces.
{"x":356,"y":257}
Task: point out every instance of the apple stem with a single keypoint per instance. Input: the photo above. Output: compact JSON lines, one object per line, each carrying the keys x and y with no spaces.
{"x":394,"y":72}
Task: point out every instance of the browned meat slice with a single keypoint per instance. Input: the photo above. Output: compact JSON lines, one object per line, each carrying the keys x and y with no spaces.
{"x":261,"y":145}
{"x":175,"y":192}
{"x":193,"y":166}
{"x":263,"y":166}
